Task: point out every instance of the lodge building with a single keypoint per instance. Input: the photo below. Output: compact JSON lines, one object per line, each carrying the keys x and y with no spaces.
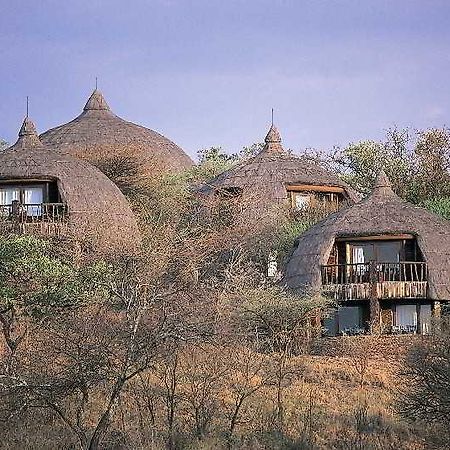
{"x":384,"y":262}
{"x":276,"y":177}
{"x":45,"y":193}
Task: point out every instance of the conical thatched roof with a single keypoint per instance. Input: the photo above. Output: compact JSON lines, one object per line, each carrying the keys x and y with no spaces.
{"x":269,"y":172}
{"x":383,"y":212}
{"x":98,"y":136}
{"x":98,"y":211}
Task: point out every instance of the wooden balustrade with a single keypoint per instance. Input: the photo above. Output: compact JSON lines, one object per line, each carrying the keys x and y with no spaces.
{"x":406,"y":279}
{"x":34,"y":213}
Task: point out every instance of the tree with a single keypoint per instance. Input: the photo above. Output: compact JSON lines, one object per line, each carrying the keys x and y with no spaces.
{"x":439,"y":206}
{"x":3,"y":144}
{"x":426,"y":391}
{"x":281,"y":324}
{"x":35,"y":281}
{"x":417,"y":163}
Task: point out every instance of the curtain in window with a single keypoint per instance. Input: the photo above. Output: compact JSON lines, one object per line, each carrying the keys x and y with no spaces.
{"x":358,"y":255}
{"x":425,"y":318}
{"x":32,"y":199}
{"x":302,"y":201}
{"x":358,"y":258}
{"x":406,"y":316}
{"x":8,"y":195}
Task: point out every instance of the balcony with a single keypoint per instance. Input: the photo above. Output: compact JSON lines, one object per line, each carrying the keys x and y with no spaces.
{"x":363,"y":281}
{"x":43,"y":218}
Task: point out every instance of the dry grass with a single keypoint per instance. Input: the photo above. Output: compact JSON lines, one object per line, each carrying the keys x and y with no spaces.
{"x":329,"y":405}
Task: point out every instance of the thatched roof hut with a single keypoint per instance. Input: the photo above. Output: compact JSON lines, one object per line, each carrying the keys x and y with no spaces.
{"x":98,"y":212}
{"x":382,"y":213}
{"x":100,"y":137}
{"x":270,"y":173}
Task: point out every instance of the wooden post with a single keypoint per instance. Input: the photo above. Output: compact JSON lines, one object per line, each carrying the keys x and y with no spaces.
{"x":375,"y":316}
{"x":436,"y":311}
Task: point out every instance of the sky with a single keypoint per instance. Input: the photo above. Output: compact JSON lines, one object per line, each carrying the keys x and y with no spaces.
{"x":207,"y":72}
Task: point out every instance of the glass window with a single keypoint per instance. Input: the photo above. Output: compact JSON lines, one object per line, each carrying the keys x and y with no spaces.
{"x":301,"y":200}
{"x":30,"y":197}
{"x":375,"y":251}
{"x":33,"y":198}
{"x":406,"y":317}
{"x":8,"y":195}
{"x":361,"y":253}
{"x":425,"y":318}
{"x":388,"y":251}
{"x":349,"y":319}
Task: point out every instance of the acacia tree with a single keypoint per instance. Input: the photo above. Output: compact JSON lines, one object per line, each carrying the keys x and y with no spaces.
{"x":36,"y":279}
{"x":280,"y":323}
{"x":416,"y":162}
{"x":426,"y":392}
{"x":96,"y":351}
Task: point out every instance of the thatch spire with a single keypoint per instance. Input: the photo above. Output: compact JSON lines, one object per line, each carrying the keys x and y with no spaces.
{"x":273,"y":141}
{"x":28,"y":136}
{"x":96,"y":102}
{"x":382,"y":185}
{"x":28,"y":128}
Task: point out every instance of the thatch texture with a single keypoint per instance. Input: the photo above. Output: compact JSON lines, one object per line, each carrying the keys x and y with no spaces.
{"x":383,"y":212}
{"x":270,"y":172}
{"x":100,"y":137}
{"x":98,"y":211}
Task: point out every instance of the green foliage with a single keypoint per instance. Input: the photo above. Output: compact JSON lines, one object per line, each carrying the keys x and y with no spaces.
{"x":416,"y":163}
{"x":276,"y":309}
{"x":212,"y":162}
{"x":3,"y":144}
{"x":34,"y":278}
{"x":287,"y":234}
{"x":440,"y":206}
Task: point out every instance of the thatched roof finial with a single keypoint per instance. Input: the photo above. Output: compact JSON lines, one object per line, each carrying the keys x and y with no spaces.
{"x":273,"y":136}
{"x":28,"y":136}
{"x":382,"y":184}
{"x":96,"y":102}
{"x":28,"y":128}
{"x":273,"y":141}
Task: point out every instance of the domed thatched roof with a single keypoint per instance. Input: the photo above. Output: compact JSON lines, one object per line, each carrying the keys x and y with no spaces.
{"x":382,"y":213}
{"x":272,"y":170}
{"x":98,"y":211}
{"x":99,"y":136}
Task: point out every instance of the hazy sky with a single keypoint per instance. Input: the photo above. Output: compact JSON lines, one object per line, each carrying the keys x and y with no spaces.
{"x":207,"y":72}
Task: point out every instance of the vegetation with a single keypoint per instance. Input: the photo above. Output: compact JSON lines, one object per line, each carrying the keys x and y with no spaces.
{"x":191,"y":345}
{"x":416,"y":162}
{"x":3,"y":144}
{"x":426,"y":392}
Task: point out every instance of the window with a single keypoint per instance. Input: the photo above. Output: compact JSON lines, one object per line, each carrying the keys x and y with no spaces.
{"x":350,"y":319}
{"x":8,"y":195}
{"x":30,"y":197}
{"x":425,"y":318}
{"x":406,"y":318}
{"x":301,"y":200}
{"x":363,"y":252}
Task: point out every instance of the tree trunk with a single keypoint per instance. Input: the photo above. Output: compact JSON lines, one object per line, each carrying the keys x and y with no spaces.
{"x":103,"y":423}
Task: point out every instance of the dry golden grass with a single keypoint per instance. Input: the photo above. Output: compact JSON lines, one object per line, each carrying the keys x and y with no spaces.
{"x":328,"y":405}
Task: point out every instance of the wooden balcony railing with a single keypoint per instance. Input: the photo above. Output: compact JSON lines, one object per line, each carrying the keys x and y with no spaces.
{"x":34,"y":213}
{"x":384,"y":280}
